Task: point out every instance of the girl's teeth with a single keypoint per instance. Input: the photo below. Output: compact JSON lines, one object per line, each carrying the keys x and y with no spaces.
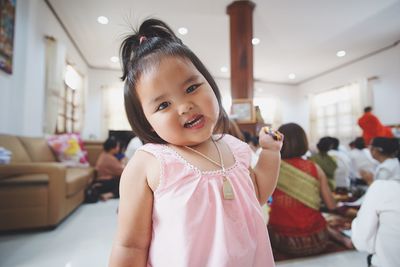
{"x":192,"y":123}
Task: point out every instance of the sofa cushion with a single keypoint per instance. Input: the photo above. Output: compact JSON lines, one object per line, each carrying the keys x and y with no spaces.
{"x":38,"y":149}
{"x":12,"y":143}
{"x":77,"y":179}
{"x":68,"y":149}
{"x":24,"y":180}
{"x":24,"y":205}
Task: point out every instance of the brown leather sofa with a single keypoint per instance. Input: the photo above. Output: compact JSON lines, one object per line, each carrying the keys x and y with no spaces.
{"x":36,"y":191}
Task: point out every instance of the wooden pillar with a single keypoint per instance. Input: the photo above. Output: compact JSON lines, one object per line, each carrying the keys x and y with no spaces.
{"x":241,"y":33}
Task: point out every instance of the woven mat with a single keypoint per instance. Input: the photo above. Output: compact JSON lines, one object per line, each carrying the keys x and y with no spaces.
{"x":332,"y":247}
{"x":335,"y":221}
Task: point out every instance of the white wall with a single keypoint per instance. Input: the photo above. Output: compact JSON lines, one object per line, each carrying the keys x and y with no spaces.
{"x":22,"y":93}
{"x":289,"y":97}
{"x":386,"y":90}
{"x":12,"y":105}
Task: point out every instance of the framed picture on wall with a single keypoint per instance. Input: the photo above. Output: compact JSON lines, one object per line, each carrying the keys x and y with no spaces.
{"x":7,"y":22}
{"x":243,"y":110}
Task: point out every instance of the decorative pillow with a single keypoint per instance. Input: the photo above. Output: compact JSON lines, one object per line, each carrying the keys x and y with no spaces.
{"x":69,"y":149}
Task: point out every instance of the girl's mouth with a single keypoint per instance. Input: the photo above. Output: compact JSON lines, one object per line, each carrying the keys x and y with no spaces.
{"x":195,"y":122}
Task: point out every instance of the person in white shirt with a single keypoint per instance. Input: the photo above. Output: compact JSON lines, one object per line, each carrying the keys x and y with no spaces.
{"x":361,"y":159}
{"x":343,"y":161}
{"x":133,"y":145}
{"x":383,"y":149}
{"x":376,"y":229}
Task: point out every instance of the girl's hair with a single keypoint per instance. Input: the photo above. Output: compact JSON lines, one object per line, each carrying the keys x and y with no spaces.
{"x":295,"y":143}
{"x":235,"y":131}
{"x":139,"y":52}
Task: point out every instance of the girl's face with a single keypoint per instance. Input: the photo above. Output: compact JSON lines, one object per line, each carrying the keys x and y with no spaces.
{"x":178,"y":102}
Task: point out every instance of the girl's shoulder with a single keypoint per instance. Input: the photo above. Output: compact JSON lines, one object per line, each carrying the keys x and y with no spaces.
{"x":239,"y":149}
{"x":157,"y":150}
{"x":150,"y":159}
{"x":234,"y":142}
{"x":151,"y":147}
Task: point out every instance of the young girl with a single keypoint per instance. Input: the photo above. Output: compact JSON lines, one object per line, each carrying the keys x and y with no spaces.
{"x":187,"y":197}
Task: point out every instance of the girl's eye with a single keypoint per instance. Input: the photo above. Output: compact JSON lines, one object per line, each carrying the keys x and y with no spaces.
{"x":162,"y":106}
{"x":192,"y":88}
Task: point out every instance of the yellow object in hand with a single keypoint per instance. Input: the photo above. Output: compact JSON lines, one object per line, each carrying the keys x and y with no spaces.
{"x":277,"y":136}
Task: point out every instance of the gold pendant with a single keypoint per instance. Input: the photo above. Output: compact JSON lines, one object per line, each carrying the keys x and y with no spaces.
{"x":227,"y":189}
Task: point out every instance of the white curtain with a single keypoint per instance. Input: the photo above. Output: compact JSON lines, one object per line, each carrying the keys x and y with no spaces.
{"x":55,"y":70}
{"x":114,"y":115}
{"x":313,"y":119}
{"x":335,"y":112}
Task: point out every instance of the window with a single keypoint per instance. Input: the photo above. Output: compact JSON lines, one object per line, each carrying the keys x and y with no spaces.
{"x":69,"y":116}
{"x":335,"y":113}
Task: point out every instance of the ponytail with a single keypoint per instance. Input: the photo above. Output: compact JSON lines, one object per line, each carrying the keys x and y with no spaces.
{"x":128,"y":46}
{"x":139,"y":43}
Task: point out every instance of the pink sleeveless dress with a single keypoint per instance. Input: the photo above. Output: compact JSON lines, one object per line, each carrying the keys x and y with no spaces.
{"x":194,"y":226}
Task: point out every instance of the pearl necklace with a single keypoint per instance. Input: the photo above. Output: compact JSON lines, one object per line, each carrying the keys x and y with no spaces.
{"x":227,"y":189}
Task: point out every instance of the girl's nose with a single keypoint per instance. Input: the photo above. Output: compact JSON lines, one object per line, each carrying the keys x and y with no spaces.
{"x":185,"y":107}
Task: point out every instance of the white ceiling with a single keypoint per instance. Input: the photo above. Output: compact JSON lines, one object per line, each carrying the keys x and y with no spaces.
{"x":297,"y":36}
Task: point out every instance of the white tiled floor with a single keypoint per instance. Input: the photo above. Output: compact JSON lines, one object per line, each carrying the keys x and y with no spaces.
{"x":84,"y":240}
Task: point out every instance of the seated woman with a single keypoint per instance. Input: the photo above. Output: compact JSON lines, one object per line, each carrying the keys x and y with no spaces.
{"x":109,"y":170}
{"x":326,"y":162}
{"x":296,"y":225}
{"x":376,"y":229}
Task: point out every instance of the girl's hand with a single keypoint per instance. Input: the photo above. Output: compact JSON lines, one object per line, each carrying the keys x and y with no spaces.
{"x":270,"y":139}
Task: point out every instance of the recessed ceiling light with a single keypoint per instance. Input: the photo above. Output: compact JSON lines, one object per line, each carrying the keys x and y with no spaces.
{"x":183,"y":30}
{"x":341,"y":53}
{"x":102,"y":20}
{"x":292,"y":76}
{"x":114,"y":59}
{"x":255,"y":41}
{"x":224,"y":69}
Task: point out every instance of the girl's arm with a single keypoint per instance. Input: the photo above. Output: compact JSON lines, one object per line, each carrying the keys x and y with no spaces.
{"x":326,"y":192}
{"x":132,"y":240}
{"x":265,"y":173}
